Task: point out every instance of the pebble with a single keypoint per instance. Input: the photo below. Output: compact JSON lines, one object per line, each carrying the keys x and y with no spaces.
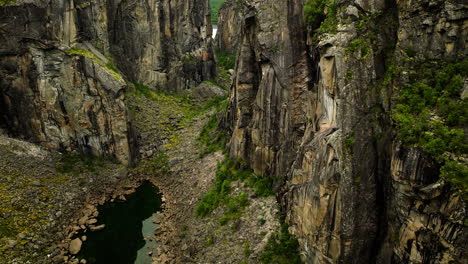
{"x":75,"y":246}
{"x":92,"y":221}
{"x":97,"y":228}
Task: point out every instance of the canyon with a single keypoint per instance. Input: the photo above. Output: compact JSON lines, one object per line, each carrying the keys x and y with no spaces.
{"x":335,"y":127}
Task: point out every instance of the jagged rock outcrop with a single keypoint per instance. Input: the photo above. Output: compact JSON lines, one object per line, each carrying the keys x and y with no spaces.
{"x":54,"y":98}
{"x":316,"y":111}
{"x":230,"y":19}
{"x":63,"y":66}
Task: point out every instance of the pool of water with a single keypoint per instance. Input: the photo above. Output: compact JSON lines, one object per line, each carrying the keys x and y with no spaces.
{"x":129,"y":225}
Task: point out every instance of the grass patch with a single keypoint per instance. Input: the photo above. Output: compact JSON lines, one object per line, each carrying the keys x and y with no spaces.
{"x":212,"y":138}
{"x":229,"y":171}
{"x":158,"y":164}
{"x":281,"y":248}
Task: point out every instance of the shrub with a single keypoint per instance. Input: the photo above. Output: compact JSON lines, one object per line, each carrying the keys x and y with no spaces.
{"x":431,"y":115}
{"x":321,"y":15}
{"x":211,"y":137}
{"x":314,"y":12}
{"x":281,"y":248}
{"x":225,"y":59}
{"x":227,"y":172}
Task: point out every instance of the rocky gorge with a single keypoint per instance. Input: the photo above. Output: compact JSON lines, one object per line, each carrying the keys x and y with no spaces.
{"x":313,"y":131}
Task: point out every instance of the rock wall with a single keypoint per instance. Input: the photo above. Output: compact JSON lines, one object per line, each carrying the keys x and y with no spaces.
{"x":315,"y":110}
{"x":64,"y":66}
{"x":49,"y":97}
{"x":230,"y":18}
{"x":268,"y":102}
{"x":165,"y":44}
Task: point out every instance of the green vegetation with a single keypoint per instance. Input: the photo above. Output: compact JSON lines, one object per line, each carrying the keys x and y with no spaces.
{"x":321,"y":15}
{"x":281,"y":248}
{"x":175,"y":111}
{"x":229,"y":171}
{"x":7,"y":2}
{"x":225,"y":60}
{"x":109,"y":67}
{"x":158,"y":164}
{"x":410,"y":51}
{"x":349,"y":142}
{"x":430,"y":114}
{"x":359,"y":44}
{"x":212,"y":138}
{"x":75,"y":164}
{"x":247,"y":251}
{"x":348,"y":76}
{"x":215,"y":6}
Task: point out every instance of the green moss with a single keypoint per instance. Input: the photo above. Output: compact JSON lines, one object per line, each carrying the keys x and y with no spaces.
{"x":357,"y":179}
{"x":348,"y":76}
{"x":349,"y":142}
{"x":109,"y":67}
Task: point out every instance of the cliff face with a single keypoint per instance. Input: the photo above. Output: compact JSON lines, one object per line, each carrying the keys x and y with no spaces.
{"x":268,"y":101}
{"x":165,"y":44}
{"x":315,"y":109}
{"x":230,"y":22}
{"x":59,"y":85}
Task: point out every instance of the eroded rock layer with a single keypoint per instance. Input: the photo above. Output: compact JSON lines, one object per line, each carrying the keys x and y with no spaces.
{"x":314,"y":108}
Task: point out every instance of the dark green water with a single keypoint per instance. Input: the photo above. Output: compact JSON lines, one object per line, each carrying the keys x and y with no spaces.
{"x":127,"y":225}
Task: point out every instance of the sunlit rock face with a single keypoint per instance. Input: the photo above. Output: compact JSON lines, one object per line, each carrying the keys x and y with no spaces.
{"x":314,"y":112}
{"x":63,"y":66}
